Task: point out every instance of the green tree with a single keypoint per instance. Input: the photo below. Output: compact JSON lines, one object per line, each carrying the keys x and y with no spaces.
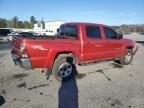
{"x":15,"y":22}
{"x":9,"y":24}
{"x":20,"y":24}
{"x":26,"y":24}
{"x":32,"y":21}
{"x":3,"y":23}
{"x":43,"y":24}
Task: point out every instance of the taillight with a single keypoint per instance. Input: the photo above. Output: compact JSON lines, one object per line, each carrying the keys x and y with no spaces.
{"x":22,"y":47}
{"x":23,"y":50}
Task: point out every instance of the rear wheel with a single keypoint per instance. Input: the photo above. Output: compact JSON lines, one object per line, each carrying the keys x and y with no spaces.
{"x":127,"y":58}
{"x":64,"y":67}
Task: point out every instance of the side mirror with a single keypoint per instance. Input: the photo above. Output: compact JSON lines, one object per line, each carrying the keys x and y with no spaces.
{"x":120,"y":35}
{"x":58,"y":30}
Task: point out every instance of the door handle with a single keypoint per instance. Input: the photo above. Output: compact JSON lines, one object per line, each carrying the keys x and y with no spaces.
{"x":87,"y":43}
{"x":117,"y":48}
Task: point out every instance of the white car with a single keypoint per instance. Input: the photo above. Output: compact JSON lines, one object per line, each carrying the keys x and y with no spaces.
{"x":4,"y":34}
{"x":3,"y":38}
{"x":11,"y":35}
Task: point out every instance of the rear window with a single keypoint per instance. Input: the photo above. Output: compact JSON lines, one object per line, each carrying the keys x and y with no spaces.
{"x":70,"y":30}
{"x":93,"y":32}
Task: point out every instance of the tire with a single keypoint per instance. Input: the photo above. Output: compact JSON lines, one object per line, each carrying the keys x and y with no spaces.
{"x":64,"y":67}
{"x":127,"y":58}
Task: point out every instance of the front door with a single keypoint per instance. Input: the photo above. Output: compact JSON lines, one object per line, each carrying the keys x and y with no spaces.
{"x":113,"y":44}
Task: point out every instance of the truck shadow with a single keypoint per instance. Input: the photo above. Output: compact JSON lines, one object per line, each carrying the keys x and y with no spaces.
{"x":140,"y":42}
{"x":68,"y":94}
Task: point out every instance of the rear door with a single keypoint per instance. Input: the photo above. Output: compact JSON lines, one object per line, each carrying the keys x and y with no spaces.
{"x":94,"y":45}
{"x":113,"y":44}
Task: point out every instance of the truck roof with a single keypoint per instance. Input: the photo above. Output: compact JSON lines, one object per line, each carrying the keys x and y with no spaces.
{"x":85,"y":23}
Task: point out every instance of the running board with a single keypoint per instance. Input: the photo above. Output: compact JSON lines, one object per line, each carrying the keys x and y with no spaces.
{"x":98,"y":61}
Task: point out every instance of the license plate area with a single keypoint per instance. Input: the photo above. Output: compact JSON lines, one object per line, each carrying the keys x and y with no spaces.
{"x":15,"y":57}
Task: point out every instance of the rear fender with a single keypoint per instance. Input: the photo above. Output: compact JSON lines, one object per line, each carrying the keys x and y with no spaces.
{"x":53,"y":54}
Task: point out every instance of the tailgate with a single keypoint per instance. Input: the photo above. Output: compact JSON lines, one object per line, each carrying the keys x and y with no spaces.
{"x":18,"y":53}
{"x":16,"y":43}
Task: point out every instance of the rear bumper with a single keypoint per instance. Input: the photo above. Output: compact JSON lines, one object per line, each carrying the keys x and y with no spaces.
{"x":23,"y":62}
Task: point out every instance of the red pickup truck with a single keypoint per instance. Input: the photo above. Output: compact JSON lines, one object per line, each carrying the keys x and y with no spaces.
{"x":76,"y":43}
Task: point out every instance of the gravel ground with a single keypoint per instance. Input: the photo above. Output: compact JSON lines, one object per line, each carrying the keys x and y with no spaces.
{"x":102,"y":85}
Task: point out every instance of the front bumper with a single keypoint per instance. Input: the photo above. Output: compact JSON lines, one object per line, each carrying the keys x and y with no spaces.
{"x":23,"y":62}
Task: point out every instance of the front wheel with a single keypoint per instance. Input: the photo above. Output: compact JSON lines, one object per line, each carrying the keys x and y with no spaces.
{"x":127,"y":58}
{"x":64,"y":68}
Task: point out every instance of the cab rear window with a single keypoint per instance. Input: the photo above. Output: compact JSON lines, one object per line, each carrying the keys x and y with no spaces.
{"x":69,"y":30}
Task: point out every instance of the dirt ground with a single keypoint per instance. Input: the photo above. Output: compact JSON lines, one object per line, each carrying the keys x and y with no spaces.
{"x":102,"y":85}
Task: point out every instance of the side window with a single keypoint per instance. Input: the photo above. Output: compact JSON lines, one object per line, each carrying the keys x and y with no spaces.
{"x":93,"y":32}
{"x":61,"y":30}
{"x":70,"y":30}
{"x":110,"y":34}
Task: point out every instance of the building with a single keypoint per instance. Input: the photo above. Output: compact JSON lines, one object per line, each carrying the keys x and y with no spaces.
{"x":38,"y":26}
{"x":51,"y":27}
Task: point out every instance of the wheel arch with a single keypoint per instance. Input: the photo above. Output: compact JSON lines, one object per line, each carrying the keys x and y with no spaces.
{"x":125,"y":48}
{"x":129,"y":47}
{"x":67,"y":53}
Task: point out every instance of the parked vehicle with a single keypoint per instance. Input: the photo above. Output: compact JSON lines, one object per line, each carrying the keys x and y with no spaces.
{"x":77,"y":43}
{"x":10,"y":36}
{"x":3,"y":34}
{"x":28,"y":34}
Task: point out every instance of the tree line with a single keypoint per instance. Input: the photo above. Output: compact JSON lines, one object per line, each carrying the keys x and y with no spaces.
{"x":129,"y":28}
{"x":16,"y":23}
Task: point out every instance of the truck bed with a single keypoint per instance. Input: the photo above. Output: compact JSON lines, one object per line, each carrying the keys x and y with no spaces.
{"x":57,"y":37}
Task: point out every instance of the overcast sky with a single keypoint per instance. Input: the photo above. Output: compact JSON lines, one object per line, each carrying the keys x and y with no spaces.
{"x":110,"y":12}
